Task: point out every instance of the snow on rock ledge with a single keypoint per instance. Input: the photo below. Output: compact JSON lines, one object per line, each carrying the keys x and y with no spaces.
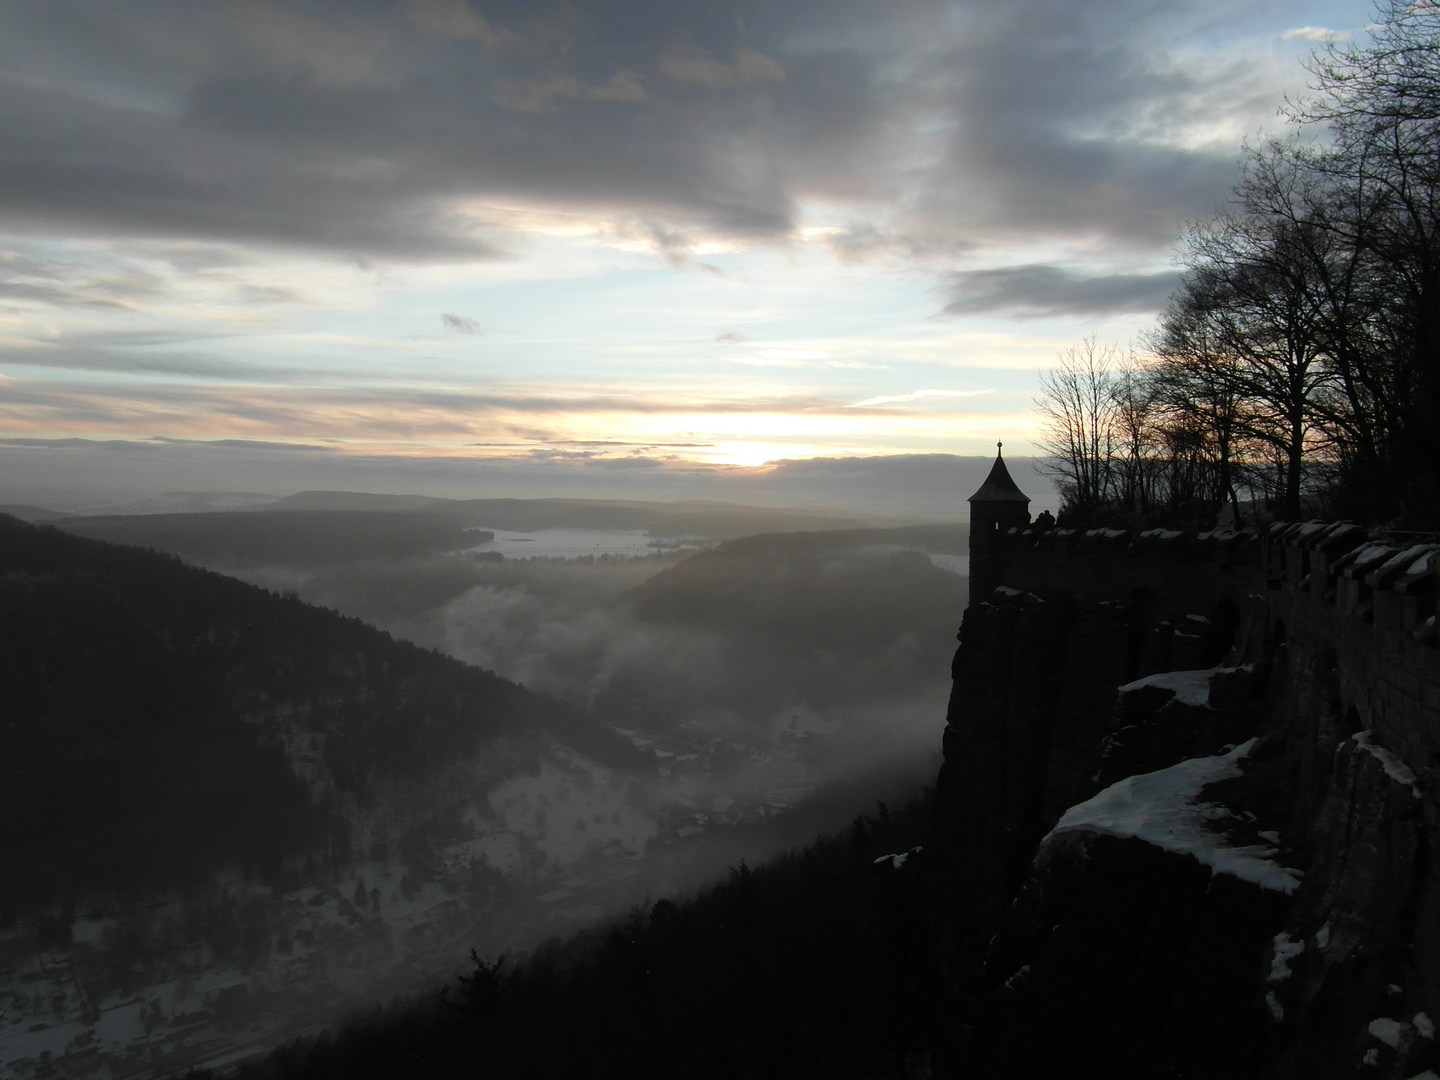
{"x":1164,"y":808}
{"x":1394,"y":768}
{"x":1189,"y":687}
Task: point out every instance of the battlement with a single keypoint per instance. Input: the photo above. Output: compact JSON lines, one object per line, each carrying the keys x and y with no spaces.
{"x":1365,"y":600}
{"x":1339,"y":564}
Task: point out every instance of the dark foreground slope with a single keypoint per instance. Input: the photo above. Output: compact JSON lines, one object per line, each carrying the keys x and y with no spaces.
{"x":221,"y":809}
{"x":815,"y":965}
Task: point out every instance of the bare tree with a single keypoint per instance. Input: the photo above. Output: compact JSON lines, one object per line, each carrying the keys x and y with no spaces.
{"x":1304,"y":343}
{"x":1199,"y":406}
{"x":1136,"y":412}
{"x":1245,"y":331}
{"x":1077,"y":404}
{"x":1288,"y":184}
{"x":1380,"y":101}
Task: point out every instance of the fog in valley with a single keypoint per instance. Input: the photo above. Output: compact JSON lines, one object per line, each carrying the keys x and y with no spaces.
{"x":730,"y":683}
{"x":762,"y":677}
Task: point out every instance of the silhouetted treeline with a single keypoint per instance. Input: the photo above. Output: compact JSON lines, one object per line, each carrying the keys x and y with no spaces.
{"x":1299,"y":362}
{"x":144,"y":703}
{"x":818,"y":964}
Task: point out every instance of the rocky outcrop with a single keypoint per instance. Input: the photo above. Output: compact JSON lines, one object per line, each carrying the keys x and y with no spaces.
{"x":1186,"y":811}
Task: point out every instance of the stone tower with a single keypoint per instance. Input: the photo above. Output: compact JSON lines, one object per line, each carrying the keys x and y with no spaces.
{"x":997,"y":506}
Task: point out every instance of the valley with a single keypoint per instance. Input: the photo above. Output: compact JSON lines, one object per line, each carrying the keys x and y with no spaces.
{"x":629,"y":780}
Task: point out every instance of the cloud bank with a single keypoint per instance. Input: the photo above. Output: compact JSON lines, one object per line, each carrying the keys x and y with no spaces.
{"x":383,"y":129}
{"x":1039,"y":290}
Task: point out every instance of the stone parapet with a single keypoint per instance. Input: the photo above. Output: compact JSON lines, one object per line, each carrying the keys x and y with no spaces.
{"x":1378,"y":581}
{"x":1367,"y":599}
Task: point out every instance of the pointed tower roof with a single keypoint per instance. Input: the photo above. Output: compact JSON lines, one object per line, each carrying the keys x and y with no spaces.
{"x":998,"y":486}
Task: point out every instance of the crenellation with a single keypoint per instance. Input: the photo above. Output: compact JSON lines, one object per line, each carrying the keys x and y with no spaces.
{"x":1337,"y":563}
{"x":1369,"y":600}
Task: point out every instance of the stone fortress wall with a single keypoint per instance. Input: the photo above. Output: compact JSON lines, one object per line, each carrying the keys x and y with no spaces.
{"x":1106,"y":951}
{"x":1368,"y":603}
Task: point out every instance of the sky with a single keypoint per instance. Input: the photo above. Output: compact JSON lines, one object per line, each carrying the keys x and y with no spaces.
{"x":601,"y":247}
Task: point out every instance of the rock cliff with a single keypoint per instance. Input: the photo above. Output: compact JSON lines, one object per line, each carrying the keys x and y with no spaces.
{"x":1187,"y":809}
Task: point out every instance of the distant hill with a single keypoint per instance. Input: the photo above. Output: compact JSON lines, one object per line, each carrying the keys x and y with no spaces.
{"x":183,"y":502}
{"x":808,"y":587}
{"x":827,"y":618}
{"x":320,"y":537}
{"x":26,"y":512}
{"x":161,"y":722}
{"x":326,"y":528}
{"x":716,"y":520}
{"x":354,"y":500}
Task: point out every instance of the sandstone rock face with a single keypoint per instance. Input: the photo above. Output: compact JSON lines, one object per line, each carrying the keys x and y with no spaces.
{"x":1187,"y":811}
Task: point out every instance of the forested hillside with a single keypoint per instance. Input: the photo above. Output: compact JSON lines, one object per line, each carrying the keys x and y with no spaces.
{"x":823,"y":617}
{"x":193,"y":768}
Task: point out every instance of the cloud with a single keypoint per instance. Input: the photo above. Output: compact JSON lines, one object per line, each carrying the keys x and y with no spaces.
{"x":345,"y":132}
{"x":863,"y":240}
{"x":799,"y":358}
{"x":693,"y":65}
{"x":917,"y":395}
{"x":1313,"y":33}
{"x":792,"y":354}
{"x":1089,"y":121}
{"x":70,"y":283}
{"x":415,"y":414}
{"x":460,"y":323}
{"x":594,"y":444}
{"x":730,"y":337}
{"x":1036,"y":290}
{"x":269,"y":294}
{"x":548,"y":92}
{"x":53,"y":294}
{"x":345,"y":129}
{"x":123,"y":355}
{"x":451,"y":20}
{"x":674,"y":247}
{"x":245,"y":444}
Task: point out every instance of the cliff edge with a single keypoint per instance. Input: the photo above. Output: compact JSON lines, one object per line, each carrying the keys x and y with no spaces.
{"x":1187,"y":810}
